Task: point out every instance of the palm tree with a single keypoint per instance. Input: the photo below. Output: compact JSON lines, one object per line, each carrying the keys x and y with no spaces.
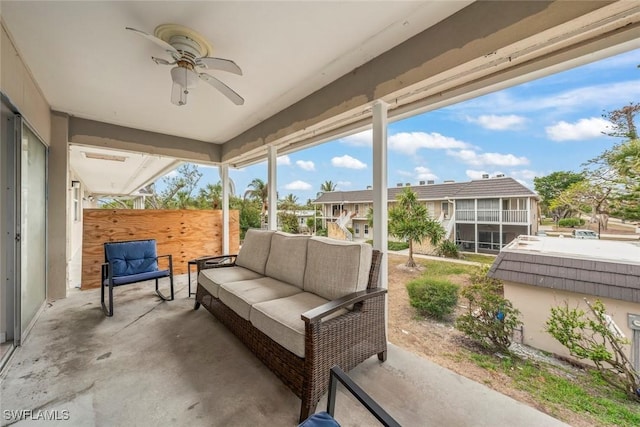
{"x":290,"y":202}
{"x":259,"y":191}
{"x":210,"y":196}
{"x":409,"y":220}
{"x":328,"y":186}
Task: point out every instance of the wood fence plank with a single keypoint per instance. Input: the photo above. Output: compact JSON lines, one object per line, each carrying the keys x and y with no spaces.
{"x":185,"y":234}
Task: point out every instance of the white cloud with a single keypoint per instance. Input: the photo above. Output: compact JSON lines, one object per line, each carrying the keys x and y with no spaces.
{"x":476,"y":174}
{"x":488,"y":159}
{"x":525,"y":174}
{"x":298,"y":185}
{"x":582,"y":129}
{"x":606,"y":95}
{"x":410,"y":142}
{"x":307,"y":165}
{"x":348,"y":162}
{"x":423,"y":173}
{"x":343,"y":184}
{"x":283,"y":161}
{"x":171,"y":174}
{"x":495,"y":122}
{"x":360,"y":139}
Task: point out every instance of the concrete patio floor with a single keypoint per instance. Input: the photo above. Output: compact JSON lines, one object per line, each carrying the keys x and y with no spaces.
{"x":161,"y":363}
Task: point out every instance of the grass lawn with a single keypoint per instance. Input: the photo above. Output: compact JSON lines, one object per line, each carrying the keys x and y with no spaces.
{"x":578,"y":396}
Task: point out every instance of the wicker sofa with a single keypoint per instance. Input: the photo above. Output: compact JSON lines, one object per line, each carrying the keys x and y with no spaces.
{"x":301,"y":304}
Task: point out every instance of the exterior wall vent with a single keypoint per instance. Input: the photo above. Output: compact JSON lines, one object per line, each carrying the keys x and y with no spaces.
{"x":399,"y":184}
{"x":485,"y":176}
{"x":449,"y":181}
{"x":430,"y":182}
{"x":421,"y":182}
{"x":500,"y":175}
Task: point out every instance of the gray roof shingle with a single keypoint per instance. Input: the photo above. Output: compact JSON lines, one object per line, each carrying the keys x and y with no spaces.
{"x":608,"y":276}
{"x":484,"y":188}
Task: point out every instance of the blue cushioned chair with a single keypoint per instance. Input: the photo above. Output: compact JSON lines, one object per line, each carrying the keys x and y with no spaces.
{"x":131,"y":262}
{"x":326,"y":418}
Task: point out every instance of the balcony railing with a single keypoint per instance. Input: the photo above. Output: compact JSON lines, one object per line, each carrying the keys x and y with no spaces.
{"x":519,"y":217}
{"x":492,"y":216}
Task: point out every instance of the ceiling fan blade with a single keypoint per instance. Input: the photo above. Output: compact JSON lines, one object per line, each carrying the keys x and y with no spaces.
{"x":219,"y":64}
{"x":161,"y":61}
{"x":223,"y":88}
{"x":163,"y":44}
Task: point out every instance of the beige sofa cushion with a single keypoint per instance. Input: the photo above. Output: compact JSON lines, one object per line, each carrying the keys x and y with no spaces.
{"x":287,"y":258}
{"x":240,"y":296}
{"x":336,"y":268}
{"x":212,"y":278}
{"x":280,"y":319}
{"x":255,"y":250}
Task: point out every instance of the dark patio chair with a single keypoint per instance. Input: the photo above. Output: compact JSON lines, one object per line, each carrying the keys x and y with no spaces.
{"x":132,"y":262}
{"x":327,"y":419}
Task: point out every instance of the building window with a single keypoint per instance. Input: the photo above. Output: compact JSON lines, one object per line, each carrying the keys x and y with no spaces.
{"x":356,"y":228}
{"x":366,"y":229}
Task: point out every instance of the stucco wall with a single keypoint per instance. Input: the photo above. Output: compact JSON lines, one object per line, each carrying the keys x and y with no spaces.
{"x":535,"y":305}
{"x":22,"y":90}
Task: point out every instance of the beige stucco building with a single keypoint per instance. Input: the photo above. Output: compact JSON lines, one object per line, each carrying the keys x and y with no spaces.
{"x":544,"y":272}
{"x":480,"y":216}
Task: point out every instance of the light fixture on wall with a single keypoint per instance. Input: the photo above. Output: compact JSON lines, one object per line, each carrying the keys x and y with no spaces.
{"x":75,"y":184}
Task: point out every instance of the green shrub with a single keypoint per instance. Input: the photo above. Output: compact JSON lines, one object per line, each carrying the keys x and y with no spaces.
{"x":433,"y":297}
{"x":480,"y":276}
{"x":570,"y":222}
{"x":397,"y":246}
{"x":289,"y":222}
{"x":322,"y":232}
{"x":591,"y":336}
{"x":448,"y":249}
{"x":490,"y":318}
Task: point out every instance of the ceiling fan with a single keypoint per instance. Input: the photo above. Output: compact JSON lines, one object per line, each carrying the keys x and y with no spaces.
{"x":190,"y":53}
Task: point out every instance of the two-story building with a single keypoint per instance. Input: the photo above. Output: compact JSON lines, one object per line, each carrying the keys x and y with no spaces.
{"x":480,"y":216}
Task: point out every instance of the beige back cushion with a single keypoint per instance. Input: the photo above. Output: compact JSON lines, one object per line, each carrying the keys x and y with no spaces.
{"x":287,"y":258}
{"x":336,"y":268}
{"x":255,"y":250}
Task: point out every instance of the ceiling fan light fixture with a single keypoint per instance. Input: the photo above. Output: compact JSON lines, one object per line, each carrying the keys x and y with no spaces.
{"x":183,"y":80}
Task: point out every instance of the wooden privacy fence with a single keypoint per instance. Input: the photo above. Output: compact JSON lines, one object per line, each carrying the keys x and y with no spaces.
{"x":185,"y":234}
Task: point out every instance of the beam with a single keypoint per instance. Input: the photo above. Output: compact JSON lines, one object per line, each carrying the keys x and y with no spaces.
{"x":272,"y":176}
{"x":105,"y":135}
{"x":224,"y":178}
{"x":380,"y":206}
{"x":459,"y":49}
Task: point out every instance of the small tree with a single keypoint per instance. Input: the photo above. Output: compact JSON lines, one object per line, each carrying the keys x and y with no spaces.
{"x":596,"y":338}
{"x":289,"y":222}
{"x":410,"y":221}
{"x":490,"y":318}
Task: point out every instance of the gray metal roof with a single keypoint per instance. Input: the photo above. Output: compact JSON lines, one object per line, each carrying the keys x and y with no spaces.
{"x":607,"y":269}
{"x":484,"y":188}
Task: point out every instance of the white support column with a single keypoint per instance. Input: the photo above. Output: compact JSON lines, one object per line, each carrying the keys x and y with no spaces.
{"x":475,"y":223}
{"x":528,"y":215}
{"x":500,"y":212}
{"x":224,"y":177}
{"x":380,"y":205}
{"x":272,"y":211}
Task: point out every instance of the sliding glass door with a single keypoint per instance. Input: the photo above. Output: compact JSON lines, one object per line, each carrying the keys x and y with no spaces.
{"x":32,"y":225}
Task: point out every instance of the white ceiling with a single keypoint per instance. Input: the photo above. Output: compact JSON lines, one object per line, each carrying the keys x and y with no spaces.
{"x":117,"y":173}
{"x":87,"y":65}
{"x":298,"y":57}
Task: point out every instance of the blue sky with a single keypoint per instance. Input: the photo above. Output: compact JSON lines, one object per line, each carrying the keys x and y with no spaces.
{"x":551,"y":124}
